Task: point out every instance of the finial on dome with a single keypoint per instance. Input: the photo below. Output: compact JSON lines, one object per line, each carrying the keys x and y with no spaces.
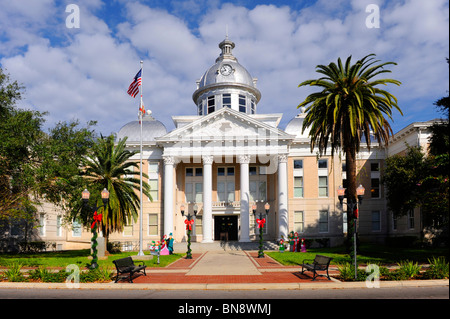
{"x":226,"y":46}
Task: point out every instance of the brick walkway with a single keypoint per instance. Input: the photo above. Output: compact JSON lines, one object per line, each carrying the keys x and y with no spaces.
{"x":271,"y":272}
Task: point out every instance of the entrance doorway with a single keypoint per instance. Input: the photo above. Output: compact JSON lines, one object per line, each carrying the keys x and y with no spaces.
{"x":225,"y":228}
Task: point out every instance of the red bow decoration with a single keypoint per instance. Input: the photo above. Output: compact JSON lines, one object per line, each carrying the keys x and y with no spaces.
{"x":97,"y":219}
{"x":188,"y":224}
{"x":261,"y":222}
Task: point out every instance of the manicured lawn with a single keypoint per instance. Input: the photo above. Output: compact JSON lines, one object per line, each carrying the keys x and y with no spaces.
{"x":368,"y":254}
{"x":77,"y":257}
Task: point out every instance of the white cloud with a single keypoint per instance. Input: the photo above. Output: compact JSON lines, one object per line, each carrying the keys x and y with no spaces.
{"x":84,"y":73}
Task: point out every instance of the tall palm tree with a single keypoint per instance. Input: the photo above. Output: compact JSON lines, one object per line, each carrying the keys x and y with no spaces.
{"x":110,"y":167}
{"x":348,"y":107}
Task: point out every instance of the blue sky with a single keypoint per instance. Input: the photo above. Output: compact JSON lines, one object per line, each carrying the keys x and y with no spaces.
{"x":83,"y":73}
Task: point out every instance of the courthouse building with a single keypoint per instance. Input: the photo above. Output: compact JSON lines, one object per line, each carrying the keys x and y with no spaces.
{"x":227,"y":160}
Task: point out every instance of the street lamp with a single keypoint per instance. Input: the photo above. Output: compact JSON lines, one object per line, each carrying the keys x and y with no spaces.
{"x":261,"y":221}
{"x":352,"y":204}
{"x":97,"y":219}
{"x":189,"y":221}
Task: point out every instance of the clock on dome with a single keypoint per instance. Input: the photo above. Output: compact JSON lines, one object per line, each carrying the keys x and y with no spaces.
{"x":226,"y":69}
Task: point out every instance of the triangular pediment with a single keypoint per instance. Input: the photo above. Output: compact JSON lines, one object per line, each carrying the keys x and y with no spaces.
{"x":225,"y":124}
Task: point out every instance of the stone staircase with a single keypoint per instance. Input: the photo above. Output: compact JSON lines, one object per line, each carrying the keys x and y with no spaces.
{"x":224,"y":246}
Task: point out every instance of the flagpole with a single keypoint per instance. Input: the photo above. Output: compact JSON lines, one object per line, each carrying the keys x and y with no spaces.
{"x":141,"y":252}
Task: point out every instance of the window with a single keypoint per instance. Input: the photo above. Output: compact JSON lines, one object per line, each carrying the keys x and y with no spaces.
{"x":42,"y":224}
{"x":298,"y":222}
{"x":189,"y":171}
{"x":198,"y":171}
{"x":298,"y":178}
{"x":153,"y":179}
{"x":323,"y":221}
{"x":242,"y":104}
{"x":252,"y":107}
{"x":298,"y":186}
{"x":76,"y":228}
{"x":194,"y":192}
{"x":376,"y":220}
{"x":211,"y":104}
{"x":225,"y":184}
{"x":226,"y":100}
{"x":374,"y":167}
{"x":257,"y":184}
{"x":58,"y":226}
{"x":128,"y":229}
{"x":200,"y":108}
{"x":225,"y":191}
{"x":298,"y":164}
{"x":153,"y":224}
{"x":394,"y":222}
{"x":375,"y":187}
{"x":198,"y":225}
{"x":323,"y":163}
{"x":375,"y":179}
{"x":323,"y":186}
{"x":411,"y":219}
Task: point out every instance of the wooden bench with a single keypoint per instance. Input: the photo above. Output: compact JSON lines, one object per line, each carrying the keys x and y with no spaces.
{"x":127,"y":266}
{"x":319,"y":263}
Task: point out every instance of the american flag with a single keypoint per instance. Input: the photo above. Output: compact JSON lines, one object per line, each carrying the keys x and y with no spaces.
{"x":133,"y":89}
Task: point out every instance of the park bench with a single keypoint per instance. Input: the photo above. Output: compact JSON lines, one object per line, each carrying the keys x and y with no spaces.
{"x":127,"y":266}
{"x":319,"y":263}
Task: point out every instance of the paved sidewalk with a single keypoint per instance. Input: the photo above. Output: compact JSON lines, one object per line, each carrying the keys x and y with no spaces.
{"x":232,"y":267}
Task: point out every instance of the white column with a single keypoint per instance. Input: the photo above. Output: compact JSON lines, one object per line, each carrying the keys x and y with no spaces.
{"x":207,"y":199}
{"x":169,"y":161}
{"x":283,"y":217}
{"x":244,"y":160}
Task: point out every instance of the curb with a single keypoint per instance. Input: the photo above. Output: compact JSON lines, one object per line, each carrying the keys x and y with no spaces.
{"x":236,"y":286}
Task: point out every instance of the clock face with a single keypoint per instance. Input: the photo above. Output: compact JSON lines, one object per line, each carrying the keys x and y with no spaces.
{"x":226,"y":69}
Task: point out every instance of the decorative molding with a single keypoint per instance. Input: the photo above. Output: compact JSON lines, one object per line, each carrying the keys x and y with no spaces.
{"x":169,"y":160}
{"x":244,"y":159}
{"x":208,"y":159}
{"x":282,"y":158}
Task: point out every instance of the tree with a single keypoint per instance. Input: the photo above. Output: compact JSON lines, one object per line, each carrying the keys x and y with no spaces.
{"x":348,"y":107}
{"x":109,"y":166}
{"x":19,"y":130}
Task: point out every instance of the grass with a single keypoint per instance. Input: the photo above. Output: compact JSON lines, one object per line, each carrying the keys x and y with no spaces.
{"x":78,"y":257}
{"x":369,"y":253}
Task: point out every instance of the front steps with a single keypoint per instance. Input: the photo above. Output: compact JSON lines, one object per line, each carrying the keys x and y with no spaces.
{"x":223,"y":246}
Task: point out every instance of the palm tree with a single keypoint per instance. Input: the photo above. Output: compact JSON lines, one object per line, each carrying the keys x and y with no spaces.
{"x":348,"y":107}
{"x":110,"y":167}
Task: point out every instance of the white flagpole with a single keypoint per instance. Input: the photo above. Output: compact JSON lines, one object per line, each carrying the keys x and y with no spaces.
{"x":141,"y":252}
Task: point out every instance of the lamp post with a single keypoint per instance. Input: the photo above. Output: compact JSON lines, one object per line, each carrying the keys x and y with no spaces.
{"x":189,"y":222}
{"x":261,"y":221}
{"x":97,"y":219}
{"x":353,"y":205}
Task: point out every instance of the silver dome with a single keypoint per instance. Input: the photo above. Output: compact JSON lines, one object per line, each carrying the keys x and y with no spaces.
{"x":295,"y":126}
{"x":151,"y":128}
{"x":235,"y":76}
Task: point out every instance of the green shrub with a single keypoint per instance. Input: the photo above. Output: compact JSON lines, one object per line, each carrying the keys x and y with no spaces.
{"x":408,"y":270}
{"x":347,"y":273}
{"x":14,"y":274}
{"x":438,"y":269}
